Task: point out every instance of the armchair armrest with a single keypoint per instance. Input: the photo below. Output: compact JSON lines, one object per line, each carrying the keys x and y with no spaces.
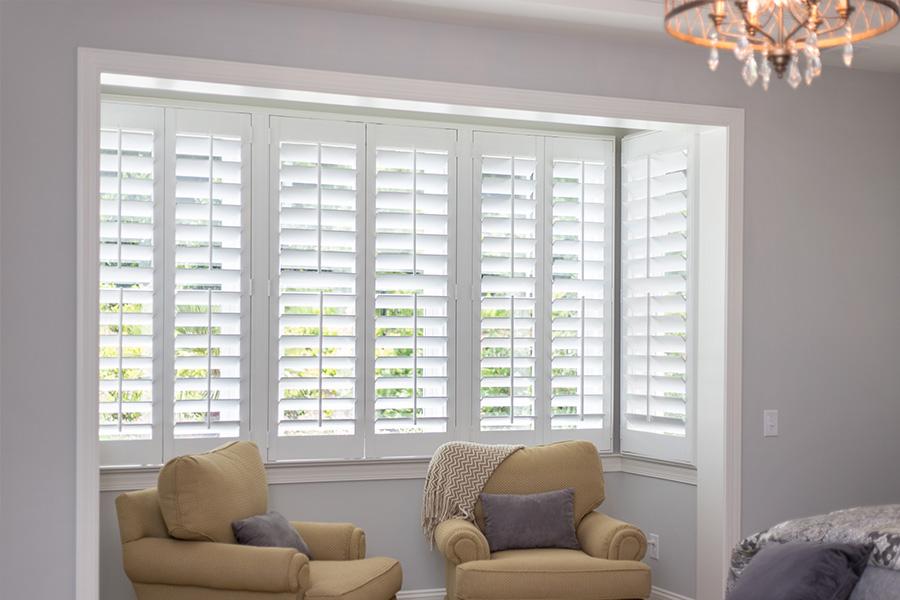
{"x":333,"y":541}
{"x":214,"y":565}
{"x":460,"y":541}
{"x":601,"y":536}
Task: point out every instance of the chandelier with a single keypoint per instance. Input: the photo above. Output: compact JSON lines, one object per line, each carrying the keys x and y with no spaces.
{"x":779,"y":31}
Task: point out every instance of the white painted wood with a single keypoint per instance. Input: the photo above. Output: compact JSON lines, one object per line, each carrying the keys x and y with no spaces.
{"x":121,"y":479}
{"x":433,"y":594}
{"x":661,"y":594}
{"x":438,"y":594}
{"x":719,"y":356}
{"x":87,"y":327}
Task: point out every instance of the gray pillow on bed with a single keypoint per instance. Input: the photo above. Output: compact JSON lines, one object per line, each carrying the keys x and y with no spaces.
{"x":877,"y":583}
{"x":544,"y":520}
{"x":802,"y":571}
{"x":271,"y":530}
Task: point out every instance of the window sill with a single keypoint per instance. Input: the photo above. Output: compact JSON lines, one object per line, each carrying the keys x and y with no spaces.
{"x":121,"y":479}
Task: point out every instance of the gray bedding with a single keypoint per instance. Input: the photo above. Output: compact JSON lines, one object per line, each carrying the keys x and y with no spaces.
{"x":878,"y":525}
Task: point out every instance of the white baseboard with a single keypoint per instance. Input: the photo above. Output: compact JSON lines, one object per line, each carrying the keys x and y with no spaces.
{"x":435,"y":594}
{"x":438,"y":594}
{"x":661,"y":594}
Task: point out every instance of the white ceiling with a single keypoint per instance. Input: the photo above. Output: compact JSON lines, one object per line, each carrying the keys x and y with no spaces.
{"x":641,"y":19}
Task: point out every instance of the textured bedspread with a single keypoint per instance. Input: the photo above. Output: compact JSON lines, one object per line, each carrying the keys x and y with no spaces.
{"x":879,"y":525}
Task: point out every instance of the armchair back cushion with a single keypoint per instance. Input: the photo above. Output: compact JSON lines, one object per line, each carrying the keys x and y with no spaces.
{"x":572,"y":464}
{"x":200,"y":495}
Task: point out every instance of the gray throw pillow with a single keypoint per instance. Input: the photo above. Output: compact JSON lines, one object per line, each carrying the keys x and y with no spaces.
{"x":802,"y":571}
{"x":271,"y":530}
{"x":546,"y":520}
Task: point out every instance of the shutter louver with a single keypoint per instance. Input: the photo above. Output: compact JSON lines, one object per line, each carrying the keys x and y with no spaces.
{"x":411,"y":183}
{"x":210,"y":157}
{"x":131,"y":178}
{"x":509,"y":281}
{"x":318,"y":305}
{"x":581,"y":209}
{"x":656,"y":175}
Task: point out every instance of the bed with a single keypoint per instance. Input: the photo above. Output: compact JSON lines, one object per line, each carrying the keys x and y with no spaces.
{"x":877,"y":528}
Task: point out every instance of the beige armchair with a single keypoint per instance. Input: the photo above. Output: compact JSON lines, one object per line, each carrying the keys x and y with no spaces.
{"x":200,"y":498}
{"x":607,"y":567}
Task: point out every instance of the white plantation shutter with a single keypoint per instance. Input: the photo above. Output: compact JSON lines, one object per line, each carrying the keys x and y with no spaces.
{"x":508,"y":185}
{"x":546,"y":207}
{"x":208,"y":180}
{"x":411,"y":191}
{"x":130,"y":226}
{"x":317,"y":184}
{"x":656,"y":402}
{"x":581,"y":233}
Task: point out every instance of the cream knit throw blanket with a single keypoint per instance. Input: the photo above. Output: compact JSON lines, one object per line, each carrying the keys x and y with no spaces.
{"x":456,"y":475}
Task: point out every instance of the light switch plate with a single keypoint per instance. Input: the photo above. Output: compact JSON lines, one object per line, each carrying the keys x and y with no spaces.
{"x":770,"y":423}
{"x":653,"y":546}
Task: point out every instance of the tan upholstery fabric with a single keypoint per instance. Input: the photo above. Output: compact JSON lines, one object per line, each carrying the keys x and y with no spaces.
{"x":606,"y":568}
{"x":200,"y":495}
{"x":460,"y":541}
{"x":333,"y":541}
{"x":146,"y":591}
{"x":214,"y":565}
{"x":545,"y":574}
{"x":558,"y":466}
{"x":368,"y":579}
{"x":164,"y":568}
{"x":139,"y":516}
{"x":602,"y":536}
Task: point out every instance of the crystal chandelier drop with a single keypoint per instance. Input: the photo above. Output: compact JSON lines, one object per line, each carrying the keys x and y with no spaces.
{"x":779,"y":32}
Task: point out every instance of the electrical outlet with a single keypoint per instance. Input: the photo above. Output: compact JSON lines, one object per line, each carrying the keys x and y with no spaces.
{"x":653,"y":546}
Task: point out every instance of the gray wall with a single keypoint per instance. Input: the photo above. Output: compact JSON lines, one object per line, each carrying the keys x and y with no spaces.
{"x":822,"y":209}
{"x":669,"y":510}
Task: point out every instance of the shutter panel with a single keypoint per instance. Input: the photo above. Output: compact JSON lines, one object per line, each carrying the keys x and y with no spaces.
{"x":508,"y":182}
{"x":582,"y":209}
{"x":655,"y":315}
{"x":209,"y":183}
{"x":318,"y":301}
{"x":130,"y":230}
{"x":411,"y":194}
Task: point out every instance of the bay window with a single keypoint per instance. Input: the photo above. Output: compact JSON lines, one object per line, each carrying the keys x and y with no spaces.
{"x":368,"y":300}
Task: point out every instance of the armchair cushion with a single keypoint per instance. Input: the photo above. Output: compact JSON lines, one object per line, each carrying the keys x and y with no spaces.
{"x":574,"y":464}
{"x":542,"y":520}
{"x":271,"y":530}
{"x":363,"y":579}
{"x":201,"y":495}
{"x":551,"y":573}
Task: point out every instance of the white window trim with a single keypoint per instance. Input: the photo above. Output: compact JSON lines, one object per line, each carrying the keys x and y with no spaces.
{"x":127,"y":479}
{"x":719,"y":385}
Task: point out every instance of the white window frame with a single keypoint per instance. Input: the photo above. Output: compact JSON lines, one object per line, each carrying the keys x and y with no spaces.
{"x":719,"y":346}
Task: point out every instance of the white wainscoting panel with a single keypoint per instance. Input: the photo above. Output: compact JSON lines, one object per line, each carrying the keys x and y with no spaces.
{"x":438,"y":594}
{"x":435,"y":594}
{"x":661,"y":594}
